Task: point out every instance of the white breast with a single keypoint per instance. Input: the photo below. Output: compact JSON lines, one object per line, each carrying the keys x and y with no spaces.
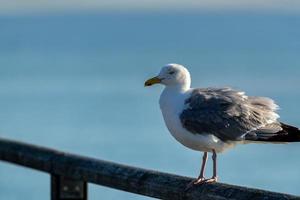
{"x":172,"y":103}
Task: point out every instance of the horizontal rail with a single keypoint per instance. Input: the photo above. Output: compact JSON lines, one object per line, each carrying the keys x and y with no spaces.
{"x":122,"y":177}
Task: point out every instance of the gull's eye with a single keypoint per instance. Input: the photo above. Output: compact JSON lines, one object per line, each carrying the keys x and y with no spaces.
{"x":171,"y":72}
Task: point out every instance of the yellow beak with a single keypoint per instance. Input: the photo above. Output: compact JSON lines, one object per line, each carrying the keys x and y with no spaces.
{"x":152,"y":81}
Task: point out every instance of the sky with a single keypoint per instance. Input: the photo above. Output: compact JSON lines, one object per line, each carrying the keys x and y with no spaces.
{"x":36,"y":6}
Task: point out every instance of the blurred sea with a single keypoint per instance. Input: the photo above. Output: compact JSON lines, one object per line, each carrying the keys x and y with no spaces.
{"x":75,"y":82}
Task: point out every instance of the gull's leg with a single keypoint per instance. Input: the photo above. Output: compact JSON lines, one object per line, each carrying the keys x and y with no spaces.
{"x":214,"y":178}
{"x":201,"y":178}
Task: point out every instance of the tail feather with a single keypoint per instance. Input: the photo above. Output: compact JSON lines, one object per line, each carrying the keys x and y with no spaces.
{"x":287,"y":134}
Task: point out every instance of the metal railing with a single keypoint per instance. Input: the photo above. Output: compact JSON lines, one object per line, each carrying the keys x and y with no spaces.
{"x":70,"y":174}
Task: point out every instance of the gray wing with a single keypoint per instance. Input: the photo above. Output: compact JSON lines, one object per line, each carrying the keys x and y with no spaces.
{"x":229,"y":114}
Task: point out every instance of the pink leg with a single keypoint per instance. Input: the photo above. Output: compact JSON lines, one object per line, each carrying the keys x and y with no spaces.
{"x":201,"y":175}
{"x":214,"y":178}
{"x":214,"y":157}
{"x":201,"y":179}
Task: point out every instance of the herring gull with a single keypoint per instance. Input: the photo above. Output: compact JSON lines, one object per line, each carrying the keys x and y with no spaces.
{"x":216,"y":119}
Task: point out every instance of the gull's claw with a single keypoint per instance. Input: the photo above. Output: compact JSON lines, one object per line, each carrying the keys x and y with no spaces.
{"x":210,"y":180}
{"x":195,"y":182}
{"x":200,"y":181}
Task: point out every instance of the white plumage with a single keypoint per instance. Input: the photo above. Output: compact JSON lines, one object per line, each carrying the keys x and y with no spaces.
{"x":216,"y":119}
{"x":172,"y":103}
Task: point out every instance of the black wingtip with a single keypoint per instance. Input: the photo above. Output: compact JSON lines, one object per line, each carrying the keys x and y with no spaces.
{"x":287,"y":134}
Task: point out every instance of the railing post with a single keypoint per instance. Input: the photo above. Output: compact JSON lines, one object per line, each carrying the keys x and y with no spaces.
{"x":63,"y":188}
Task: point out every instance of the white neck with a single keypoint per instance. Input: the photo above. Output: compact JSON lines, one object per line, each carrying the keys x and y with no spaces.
{"x":173,"y":94}
{"x":181,"y":88}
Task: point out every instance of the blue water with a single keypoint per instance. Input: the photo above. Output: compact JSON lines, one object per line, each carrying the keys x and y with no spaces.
{"x":75,"y":82}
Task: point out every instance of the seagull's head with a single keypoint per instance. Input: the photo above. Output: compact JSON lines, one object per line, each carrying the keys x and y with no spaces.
{"x":172,"y":75}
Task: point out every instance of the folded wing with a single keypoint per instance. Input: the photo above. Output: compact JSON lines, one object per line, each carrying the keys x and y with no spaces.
{"x":231,"y":115}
